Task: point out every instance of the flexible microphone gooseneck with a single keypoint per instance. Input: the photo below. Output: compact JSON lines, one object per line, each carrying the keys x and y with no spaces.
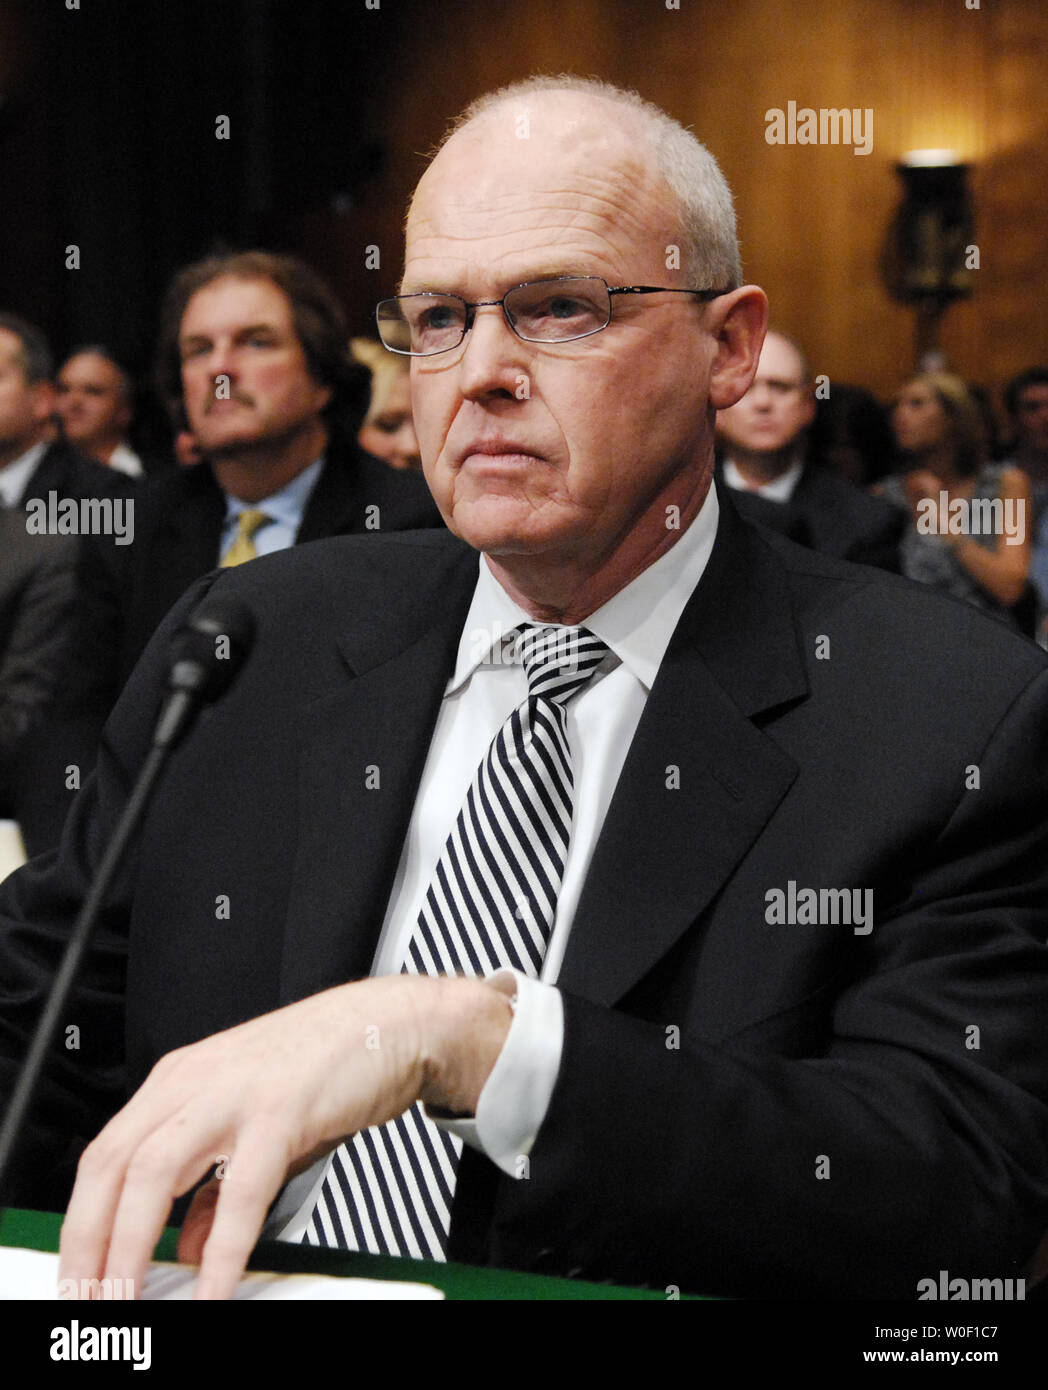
{"x":204,"y":658}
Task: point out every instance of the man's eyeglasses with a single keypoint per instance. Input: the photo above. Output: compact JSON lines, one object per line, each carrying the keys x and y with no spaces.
{"x":540,"y":311}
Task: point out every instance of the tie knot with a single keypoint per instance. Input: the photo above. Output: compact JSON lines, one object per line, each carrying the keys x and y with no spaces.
{"x":251,"y":520}
{"x":558,"y":661}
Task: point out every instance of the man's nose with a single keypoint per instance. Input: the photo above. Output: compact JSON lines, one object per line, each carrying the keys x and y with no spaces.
{"x":493,"y":357}
{"x":221,"y":361}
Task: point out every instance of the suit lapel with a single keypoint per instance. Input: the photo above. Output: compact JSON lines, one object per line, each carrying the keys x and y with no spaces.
{"x":699,"y":783}
{"x":700,"y":780}
{"x":350,"y":835}
{"x":332,"y":506}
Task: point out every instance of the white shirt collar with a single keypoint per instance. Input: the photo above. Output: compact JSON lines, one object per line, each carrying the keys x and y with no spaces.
{"x":636,"y":623}
{"x":779,"y":490}
{"x":125,"y":460}
{"x":15,"y":477}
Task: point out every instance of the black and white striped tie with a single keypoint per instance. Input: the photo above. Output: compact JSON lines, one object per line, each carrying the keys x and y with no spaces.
{"x":491,"y":903}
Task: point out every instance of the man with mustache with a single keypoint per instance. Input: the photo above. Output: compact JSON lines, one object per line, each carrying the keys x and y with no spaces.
{"x":252,"y":357}
{"x":543,"y":793}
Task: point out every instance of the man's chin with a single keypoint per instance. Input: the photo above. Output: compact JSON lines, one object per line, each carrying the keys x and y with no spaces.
{"x":501,"y":526}
{"x":227,"y":446}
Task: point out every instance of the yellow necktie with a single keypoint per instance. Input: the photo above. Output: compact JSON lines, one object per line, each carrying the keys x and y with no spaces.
{"x":249,"y":521}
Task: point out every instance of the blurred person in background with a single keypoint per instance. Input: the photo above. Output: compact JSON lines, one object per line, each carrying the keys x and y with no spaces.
{"x":388,"y":430}
{"x":763,"y":439}
{"x":1026,"y":400}
{"x":95,"y":403}
{"x":940,"y":433}
{"x":33,"y":464}
{"x":37,"y":588}
{"x":851,"y":436}
{"x":252,"y":357}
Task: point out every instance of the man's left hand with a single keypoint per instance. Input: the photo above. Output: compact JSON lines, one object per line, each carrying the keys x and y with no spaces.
{"x":263,"y":1101}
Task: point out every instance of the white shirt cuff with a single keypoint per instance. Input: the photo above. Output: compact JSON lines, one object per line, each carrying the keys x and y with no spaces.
{"x":516,"y":1096}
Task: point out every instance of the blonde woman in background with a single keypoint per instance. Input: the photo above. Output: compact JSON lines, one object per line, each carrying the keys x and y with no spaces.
{"x":941,"y":437}
{"x":388,"y":430}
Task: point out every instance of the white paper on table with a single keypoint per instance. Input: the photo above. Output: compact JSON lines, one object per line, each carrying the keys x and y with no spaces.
{"x":33,"y":1274}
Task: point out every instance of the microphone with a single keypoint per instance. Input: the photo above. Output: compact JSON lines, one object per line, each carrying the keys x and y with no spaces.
{"x":204,"y":659}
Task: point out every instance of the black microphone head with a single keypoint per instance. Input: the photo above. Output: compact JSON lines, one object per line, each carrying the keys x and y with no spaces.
{"x":209,"y":649}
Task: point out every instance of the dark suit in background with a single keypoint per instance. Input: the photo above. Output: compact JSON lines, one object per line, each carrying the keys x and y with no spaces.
{"x":125,"y":591}
{"x":37,"y":592}
{"x":742,"y":1106}
{"x":36,"y":775}
{"x":830,"y":515}
{"x":70,"y":474}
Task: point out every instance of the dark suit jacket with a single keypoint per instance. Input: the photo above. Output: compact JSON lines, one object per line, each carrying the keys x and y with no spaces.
{"x":833,"y":517}
{"x":36,"y":601}
{"x":125,"y":591}
{"x":35,"y":788}
{"x":65,"y":471}
{"x":178,"y":526}
{"x":829,"y":1123}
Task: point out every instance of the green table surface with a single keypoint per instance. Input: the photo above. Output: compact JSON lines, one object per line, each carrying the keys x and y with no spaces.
{"x":39,"y":1230}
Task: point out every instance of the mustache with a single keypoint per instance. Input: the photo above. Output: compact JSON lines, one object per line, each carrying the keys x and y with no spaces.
{"x":235,"y":394}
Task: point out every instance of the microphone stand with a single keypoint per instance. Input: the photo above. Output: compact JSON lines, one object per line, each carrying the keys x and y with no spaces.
{"x":194,"y":680}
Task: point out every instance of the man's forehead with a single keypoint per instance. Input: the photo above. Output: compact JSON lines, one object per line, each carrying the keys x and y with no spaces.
{"x":10,"y":346}
{"x":573,"y":185}
{"x":253,"y":299}
{"x":90,"y":364}
{"x":780,"y":359}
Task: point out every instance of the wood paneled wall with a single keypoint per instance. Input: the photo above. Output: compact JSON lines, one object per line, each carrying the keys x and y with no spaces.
{"x":812,"y":219}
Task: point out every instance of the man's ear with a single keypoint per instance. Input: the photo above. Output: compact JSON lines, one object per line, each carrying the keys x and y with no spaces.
{"x":738,"y":322}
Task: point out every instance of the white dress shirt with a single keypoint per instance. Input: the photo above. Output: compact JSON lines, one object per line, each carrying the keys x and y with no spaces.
{"x":285,"y":510}
{"x":14,"y":479}
{"x":780,"y":489}
{"x":125,"y":460}
{"x":636,"y":625}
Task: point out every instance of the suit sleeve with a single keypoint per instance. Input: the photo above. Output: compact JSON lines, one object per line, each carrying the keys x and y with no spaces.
{"x":915,"y":1140}
{"x":31,"y":664}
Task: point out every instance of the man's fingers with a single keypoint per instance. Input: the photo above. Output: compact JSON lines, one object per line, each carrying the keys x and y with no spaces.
{"x":83,"y":1246}
{"x":88,"y":1223}
{"x":197,"y":1225}
{"x":159,"y":1171}
{"x":253,"y":1178}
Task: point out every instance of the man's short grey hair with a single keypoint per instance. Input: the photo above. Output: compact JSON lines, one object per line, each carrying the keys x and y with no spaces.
{"x":709,"y":249}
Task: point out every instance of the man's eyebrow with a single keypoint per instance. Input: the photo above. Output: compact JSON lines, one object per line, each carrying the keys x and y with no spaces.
{"x":560,"y":271}
{"x":243,"y":332}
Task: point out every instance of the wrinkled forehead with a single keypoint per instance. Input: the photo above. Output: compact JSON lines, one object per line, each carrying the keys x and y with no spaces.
{"x":553,"y":164}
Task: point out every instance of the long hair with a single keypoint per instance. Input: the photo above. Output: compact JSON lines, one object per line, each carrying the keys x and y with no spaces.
{"x":967,"y":432}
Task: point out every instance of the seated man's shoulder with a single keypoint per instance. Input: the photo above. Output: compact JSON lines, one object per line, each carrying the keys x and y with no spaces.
{"x":359,"y":567}
{"x":887,"y":622}
{"x":831,"y":490}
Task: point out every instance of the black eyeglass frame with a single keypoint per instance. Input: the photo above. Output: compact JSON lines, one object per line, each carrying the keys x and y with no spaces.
{"x":704,"y":294}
